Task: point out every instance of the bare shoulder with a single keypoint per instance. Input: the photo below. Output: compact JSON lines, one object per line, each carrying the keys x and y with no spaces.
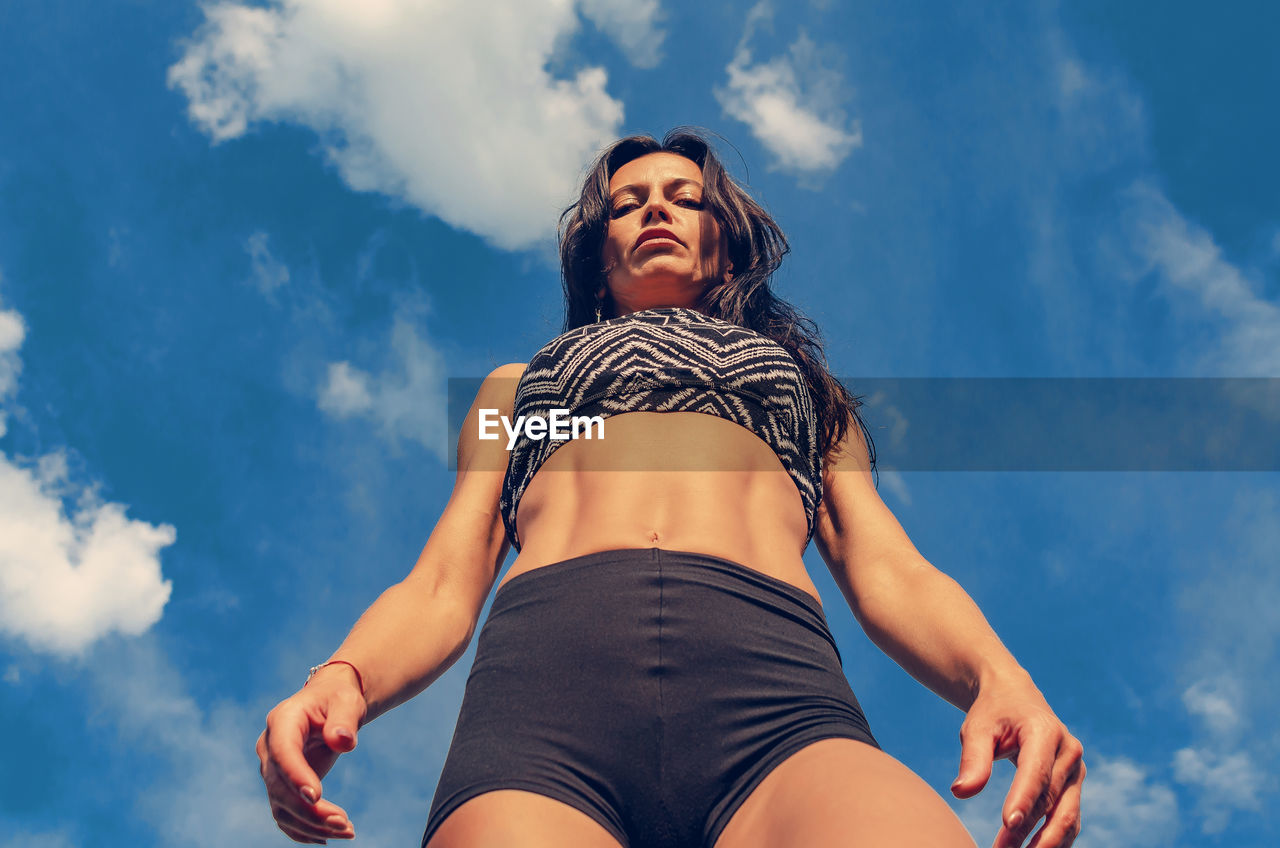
{"x":501,"y":384}
{"x":496,"y":392}
{"x":502,"y":380}
{"x":511,"y":369}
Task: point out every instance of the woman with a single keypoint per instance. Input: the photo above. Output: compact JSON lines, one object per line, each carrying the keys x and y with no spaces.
{"x":656,"y":668}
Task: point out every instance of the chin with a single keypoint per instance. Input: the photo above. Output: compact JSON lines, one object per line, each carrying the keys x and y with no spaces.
{"x":664,"y":269}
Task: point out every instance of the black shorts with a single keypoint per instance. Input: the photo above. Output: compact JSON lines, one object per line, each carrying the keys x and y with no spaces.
{"x":650,"y":689}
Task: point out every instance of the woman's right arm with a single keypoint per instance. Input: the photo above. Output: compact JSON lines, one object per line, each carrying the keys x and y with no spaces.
{"x":407,"y":638}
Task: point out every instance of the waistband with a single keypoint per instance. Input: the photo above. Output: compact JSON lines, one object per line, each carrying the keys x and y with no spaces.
{"x":704,"y":569}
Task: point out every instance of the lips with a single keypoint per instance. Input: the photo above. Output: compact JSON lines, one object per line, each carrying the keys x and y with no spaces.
{"x":656,"y":232}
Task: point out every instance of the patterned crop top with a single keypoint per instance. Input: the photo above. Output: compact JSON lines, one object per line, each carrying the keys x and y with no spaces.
{"x":667,"y":359}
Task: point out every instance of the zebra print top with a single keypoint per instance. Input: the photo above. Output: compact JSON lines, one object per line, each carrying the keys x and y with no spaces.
{"x":667,"y":359}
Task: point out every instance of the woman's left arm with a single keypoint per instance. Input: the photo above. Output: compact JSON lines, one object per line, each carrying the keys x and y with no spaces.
{"x":929,"y":625}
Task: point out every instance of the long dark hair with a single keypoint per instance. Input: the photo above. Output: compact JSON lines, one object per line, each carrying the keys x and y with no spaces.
{"x":756,"y":248}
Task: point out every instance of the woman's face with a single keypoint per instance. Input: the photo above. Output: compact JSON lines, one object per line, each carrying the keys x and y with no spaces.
{"x":663,"y":246}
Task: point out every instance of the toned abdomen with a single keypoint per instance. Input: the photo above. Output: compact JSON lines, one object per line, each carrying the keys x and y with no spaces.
{"x":684,"y":481}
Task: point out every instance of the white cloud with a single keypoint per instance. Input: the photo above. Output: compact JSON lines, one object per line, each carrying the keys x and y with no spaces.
{"x":269,"y":273}
{"x":210,"y":792}
{"x":1100,"y":112}
{"x":1197,"y":276}
{"x":12,"y":332}
{"x":1072,"y":80}
{"x":44,"y":839}
{"x":214,"y":795}
{"x":1120,"y":805}
{"x":1230,"y":329}
{"x":1225,"y":780}
{"x":69,"y":574}
{"x":1238,"y":634}
{"x":792,"y":103}
{"x":446,"y":105}
{"x":1216,"y":702}
{"x":897,"y":484}
{"x":346,"y":392}
{"x":1230,"y":606}
{"x":408,"y":399}
{"x":70,"y":577}
{"x":1226,"y":783}
{"x":633,"y":26}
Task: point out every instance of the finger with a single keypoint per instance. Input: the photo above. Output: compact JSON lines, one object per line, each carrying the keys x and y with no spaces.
{"x":1063,"y":824}
{"x":1036,"y":757}
{"x":285,"y":818}
{"x":297,"y":835}
{"x":287,"y":733}
{"x":264,"y":758}
{"x":1065,"y":766}
{"x":977,"y":752}
{"x":335,"y":826}
{"x":342,"y":721}
{"x":284,"y":795}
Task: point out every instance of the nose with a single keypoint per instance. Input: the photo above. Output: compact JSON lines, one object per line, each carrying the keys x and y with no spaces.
{"x":656,"y":209}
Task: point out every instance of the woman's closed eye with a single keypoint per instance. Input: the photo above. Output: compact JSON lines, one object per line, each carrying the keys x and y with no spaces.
{"x":631,"y":205}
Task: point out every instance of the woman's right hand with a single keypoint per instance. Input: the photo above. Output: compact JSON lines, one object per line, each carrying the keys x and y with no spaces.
{"x":305,"y":735}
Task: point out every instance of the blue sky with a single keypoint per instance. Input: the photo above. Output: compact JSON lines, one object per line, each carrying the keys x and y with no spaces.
{"x":244,"y":246}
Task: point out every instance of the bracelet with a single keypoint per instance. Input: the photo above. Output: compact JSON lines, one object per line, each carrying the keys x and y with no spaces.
{"x":315,"y":668}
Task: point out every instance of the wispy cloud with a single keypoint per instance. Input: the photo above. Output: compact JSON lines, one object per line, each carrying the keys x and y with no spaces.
{"x":1225,"y":783}
{"x":1229,"y":767}
{"x":447,"y":105}
{"x":73,"y":568}
{"x":792,"y":103}
{"x":268,"y":274}
{"x":895,"y":483}
{"x":407,"y":398}
{"x":1123,"y":805}
{"x":205,"y":754}
{"x":346,"y":392}
{"x":633,"y":26}
{"x":1217,"y":702}
{"x":12,"y":332}
{"x":1199,"y":279}
{"x":209,"y":752}
{"x":41,"y":839}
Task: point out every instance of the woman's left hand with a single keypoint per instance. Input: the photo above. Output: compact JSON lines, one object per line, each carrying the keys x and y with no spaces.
{"x":1013,"y":720}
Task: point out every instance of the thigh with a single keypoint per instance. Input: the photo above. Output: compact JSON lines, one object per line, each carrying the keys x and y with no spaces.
{"x":511,"y":818}
{"x":836,"y":793}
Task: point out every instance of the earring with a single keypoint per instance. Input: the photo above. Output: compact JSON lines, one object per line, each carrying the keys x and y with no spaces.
{"x":597,"y":313}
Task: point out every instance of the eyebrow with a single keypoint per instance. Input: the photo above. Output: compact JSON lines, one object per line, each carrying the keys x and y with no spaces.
{"x":678,"y":182}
